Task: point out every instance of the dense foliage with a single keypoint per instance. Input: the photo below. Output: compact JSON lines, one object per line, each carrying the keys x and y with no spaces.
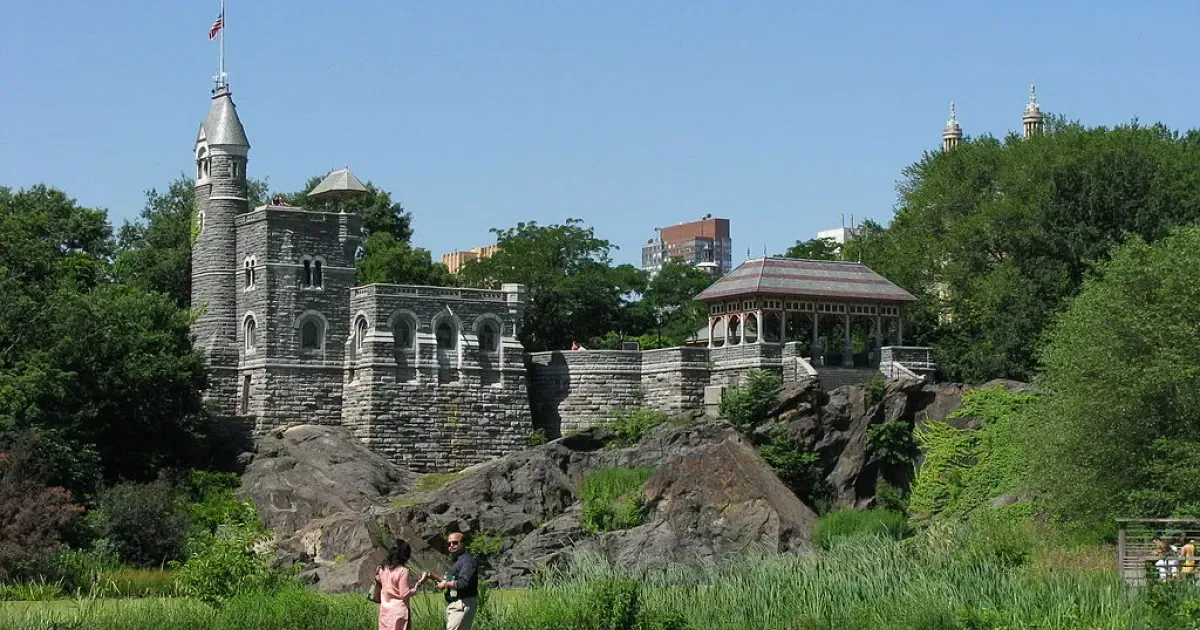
{"x":963,"y":470}
{"x":154,"y":253}
{"x":1122,"y":376}
{"x":994,"y":235}
{"x":574,"y":294}
{"x":101,"y":374}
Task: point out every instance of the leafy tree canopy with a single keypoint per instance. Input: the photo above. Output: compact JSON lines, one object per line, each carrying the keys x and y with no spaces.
{"x":155,"y":252}
{"x":994,"y":235}
{"x":573,"y":291}
{"x":386,"y":259}
{"x":87,"y":365}
{"x":670,"y":298}
{"x":814,"y":249}
{"x":379,"y":213}
{"x":1123,"y":367}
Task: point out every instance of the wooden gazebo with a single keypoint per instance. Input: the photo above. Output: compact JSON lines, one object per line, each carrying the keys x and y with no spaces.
{"x":778,"y":300}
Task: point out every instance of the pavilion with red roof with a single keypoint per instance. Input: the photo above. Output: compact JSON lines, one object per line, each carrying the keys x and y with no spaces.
{"x":779,"y":300}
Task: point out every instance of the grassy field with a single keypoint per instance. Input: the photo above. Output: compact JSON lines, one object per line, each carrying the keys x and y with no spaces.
{"x":938,"y":580}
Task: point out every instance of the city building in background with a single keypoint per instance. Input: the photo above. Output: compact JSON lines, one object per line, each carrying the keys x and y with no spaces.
{"x":454,"y":261}
{"x":704,"y":243}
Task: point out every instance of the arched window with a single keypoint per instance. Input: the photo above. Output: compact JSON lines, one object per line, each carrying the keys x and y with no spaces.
{"x":306,"y":277}
{"x":310,"y":335}
{"x":312,"y":327}
{"x":402,"y":332}
{"x":249,"y":271}
{"x":446,"y":334}
{"x":317,"y":280}
{"x":360,"y":332}
{"x":251,"y":330}
{"x":200,"y":222}
{"x":487,"y":330}
{"x":202,"y":163}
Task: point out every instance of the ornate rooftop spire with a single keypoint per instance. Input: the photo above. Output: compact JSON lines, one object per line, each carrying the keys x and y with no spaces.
{"x":1032,"y":120}
{"x":952,"y":134}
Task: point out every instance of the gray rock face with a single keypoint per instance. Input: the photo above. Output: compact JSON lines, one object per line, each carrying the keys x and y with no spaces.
{"x":308,"y":472}
{"x":835,"y":424}
{"x":717,"y":500}
{"x":711,"y":496}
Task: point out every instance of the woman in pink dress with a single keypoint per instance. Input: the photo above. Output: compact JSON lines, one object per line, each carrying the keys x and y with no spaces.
{"x":395,"y":590}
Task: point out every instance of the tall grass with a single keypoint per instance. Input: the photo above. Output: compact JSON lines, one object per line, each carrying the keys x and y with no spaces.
{"x":612,"y":498}
{"x":928,"y":582}
{"x":945,"y":577}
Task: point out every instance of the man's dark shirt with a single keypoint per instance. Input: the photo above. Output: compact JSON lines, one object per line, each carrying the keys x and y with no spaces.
{"x":466,"y":580}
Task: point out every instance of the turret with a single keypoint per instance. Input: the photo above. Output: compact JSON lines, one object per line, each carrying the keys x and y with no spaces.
{"x":952,"y":134}
{"x":220,"y":151}
{"x":1032,"y":119}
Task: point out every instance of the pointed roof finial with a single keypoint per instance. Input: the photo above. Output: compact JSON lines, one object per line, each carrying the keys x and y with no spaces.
{"x":1032,"y":94}
{"x":953,"y":118}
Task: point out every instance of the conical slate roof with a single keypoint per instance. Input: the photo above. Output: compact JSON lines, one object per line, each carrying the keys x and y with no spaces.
{"x":339,"y":181}
{"x":222,"y":127}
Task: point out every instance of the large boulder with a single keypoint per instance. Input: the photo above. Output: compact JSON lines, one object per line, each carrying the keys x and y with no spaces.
{"x":308,"y":472}
{"x":711,"y":494}
{"x":717,"y":500}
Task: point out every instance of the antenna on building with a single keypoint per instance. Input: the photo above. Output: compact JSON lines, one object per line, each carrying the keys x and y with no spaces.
{"x":843,"y":220}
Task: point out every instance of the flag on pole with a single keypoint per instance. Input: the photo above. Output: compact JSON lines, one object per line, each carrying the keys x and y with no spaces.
{"x":216,"y":27}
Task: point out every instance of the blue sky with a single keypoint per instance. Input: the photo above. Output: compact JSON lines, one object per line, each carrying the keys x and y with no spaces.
{"x":629,"y":115}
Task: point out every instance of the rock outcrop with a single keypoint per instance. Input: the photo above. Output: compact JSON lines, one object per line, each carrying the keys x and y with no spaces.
{"x":308,"y":472}
{"x":711,"y":495}
{"x":836,"y":425}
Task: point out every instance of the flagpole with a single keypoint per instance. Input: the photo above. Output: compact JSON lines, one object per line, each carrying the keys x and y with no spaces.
{"x":221,"y":71}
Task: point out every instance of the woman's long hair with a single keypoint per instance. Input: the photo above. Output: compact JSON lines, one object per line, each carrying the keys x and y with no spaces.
{"x":398,"y":554}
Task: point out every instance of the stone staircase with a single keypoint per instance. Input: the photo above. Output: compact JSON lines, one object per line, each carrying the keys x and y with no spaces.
{"x":835,"y":377}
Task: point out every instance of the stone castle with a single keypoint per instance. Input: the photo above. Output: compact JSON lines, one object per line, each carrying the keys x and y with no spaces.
{"x":436,"y":377}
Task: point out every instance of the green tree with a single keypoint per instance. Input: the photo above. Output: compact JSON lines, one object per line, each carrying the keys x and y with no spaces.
{"x":671,"y":298}
{"x":378,"y":211}
{"x":1122,"y":368}
{"x":386,"y":259}
{"x":155,"y":251}
{"x":815,"y":249}
{"x":573,"y":292}
{"x":994,"y":235}
{"x":86,"y":364}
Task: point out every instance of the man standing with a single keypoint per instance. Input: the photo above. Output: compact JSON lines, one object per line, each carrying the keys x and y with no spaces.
{"x":461,"y":585}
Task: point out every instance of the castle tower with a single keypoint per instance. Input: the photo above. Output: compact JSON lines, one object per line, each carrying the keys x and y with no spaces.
{"x":221,"y":151}
{"x":1032,"y":118}
{"x":952,"y":134}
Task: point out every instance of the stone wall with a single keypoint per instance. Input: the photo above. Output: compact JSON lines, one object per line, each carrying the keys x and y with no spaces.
{"x":572,"y":390}
{"x":282,"y":383}
{"x":430,"y":406}
{"x":732,"y":363}
{"x":673,"y":379}
{"x":576,"y":389}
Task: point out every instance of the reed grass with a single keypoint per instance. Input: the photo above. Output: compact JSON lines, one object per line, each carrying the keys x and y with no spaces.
{"x":939,"y":579}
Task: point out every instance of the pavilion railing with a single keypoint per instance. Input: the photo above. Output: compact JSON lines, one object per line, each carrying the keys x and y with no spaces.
{"x":1141,"y":560}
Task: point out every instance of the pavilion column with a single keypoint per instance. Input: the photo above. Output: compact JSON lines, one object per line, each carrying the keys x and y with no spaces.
{"x":847,"y":348}
{"x":900,"y":330}
{"x":711,"y":330}
{"x":816,"y":339}
{"x":760,"y":326}
{"x":878,"y":339}
{"x":782,"y":326}
{"x":741,"y":328}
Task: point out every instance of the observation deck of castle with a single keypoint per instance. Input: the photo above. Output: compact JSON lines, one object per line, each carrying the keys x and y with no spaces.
{"x":780,"y":300}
